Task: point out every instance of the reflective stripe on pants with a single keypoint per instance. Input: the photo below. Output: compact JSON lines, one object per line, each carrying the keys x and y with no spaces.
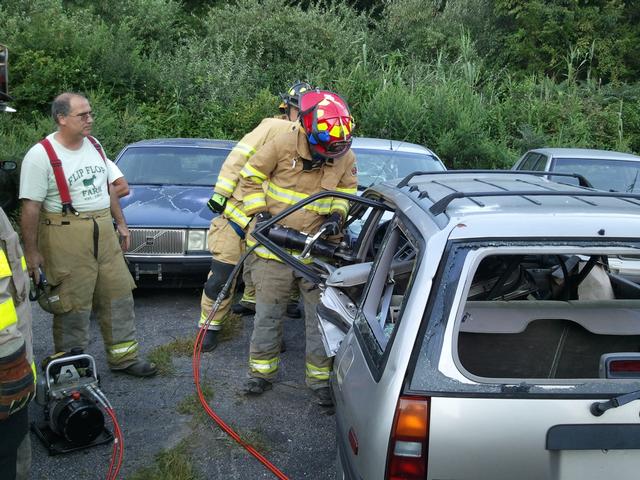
{"x":273,"y":282}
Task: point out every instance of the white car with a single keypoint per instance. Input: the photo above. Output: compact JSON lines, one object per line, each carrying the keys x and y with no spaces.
{"x":603,"y":169}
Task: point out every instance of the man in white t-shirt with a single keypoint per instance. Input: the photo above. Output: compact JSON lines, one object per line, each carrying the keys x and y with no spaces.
{"x":120,"y":183}
{"x":77,"y":246}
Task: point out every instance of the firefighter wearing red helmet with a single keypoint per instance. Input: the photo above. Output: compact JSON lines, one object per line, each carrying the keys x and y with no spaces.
{"x":295,"y":165}
{"x":226,"y":236}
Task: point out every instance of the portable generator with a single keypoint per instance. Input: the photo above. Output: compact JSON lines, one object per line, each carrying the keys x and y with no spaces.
{"x":70,"y":394}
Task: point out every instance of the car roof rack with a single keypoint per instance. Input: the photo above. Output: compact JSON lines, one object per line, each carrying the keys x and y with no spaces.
{"x":441,"y":205}
{"x":582,"y":180}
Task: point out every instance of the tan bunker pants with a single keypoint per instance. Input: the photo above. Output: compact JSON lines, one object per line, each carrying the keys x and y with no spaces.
{"x":86,"y":270}
{"x":226,"y":248}
{"x":274,"y":281}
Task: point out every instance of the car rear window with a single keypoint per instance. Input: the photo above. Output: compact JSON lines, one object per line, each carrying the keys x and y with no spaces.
{"x":375,"y":166}
{"x":609,"y":175}
{"x":546,"y":316}
{"x":535,"y":318}
{"x":172,"y":165}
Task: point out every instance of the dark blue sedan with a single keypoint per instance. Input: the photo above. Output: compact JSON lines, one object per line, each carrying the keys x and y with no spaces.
{"x":170,"y":182}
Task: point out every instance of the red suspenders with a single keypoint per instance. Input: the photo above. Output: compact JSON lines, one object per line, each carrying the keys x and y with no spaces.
{"x":58,"y":172}
{"x":95,"y":143}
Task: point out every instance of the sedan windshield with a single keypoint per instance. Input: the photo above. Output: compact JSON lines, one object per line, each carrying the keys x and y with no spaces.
{"x":161,"y":165}
{"x":375,"y":166}
{"x":609,"y":175}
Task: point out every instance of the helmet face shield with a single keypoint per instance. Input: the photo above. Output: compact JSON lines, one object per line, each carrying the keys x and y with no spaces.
{"x":328,"y":123}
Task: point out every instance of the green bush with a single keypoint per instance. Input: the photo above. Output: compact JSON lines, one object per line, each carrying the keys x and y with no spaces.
{"x":478,"y":81}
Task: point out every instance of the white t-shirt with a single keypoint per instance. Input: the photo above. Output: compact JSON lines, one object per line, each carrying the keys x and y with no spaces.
{"x":85,"y":170}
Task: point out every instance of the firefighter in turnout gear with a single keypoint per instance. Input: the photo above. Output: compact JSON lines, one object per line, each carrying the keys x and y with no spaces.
{"x":17,"y":370}
{"x":295,"y":165}
{"x":226,"y":238}
{"x":67,"y":226}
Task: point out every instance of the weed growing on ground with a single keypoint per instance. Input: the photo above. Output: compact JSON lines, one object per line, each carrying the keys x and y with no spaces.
{"x":173,"y":464}
{"x":162,"y":355}
{"x":190,"y":405}
{"x":231,"y":327}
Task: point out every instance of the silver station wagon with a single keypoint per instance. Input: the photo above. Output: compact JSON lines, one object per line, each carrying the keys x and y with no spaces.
{"x":479,"y":332}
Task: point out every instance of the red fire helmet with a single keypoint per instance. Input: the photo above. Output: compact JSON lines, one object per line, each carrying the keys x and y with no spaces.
{"x":327,"y":121}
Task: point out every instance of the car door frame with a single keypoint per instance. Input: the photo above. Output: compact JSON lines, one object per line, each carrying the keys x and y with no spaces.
{"x":300,"y":267}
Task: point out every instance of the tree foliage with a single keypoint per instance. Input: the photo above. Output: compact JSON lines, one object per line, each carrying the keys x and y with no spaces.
{"x":478,"y":81}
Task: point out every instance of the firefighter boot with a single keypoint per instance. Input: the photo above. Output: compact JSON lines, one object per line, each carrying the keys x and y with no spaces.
{"x":323,"y":397}
{"x":241,"y":309}
{"x":293,"y":310}
{"x":210,"y":341}
{"x":257,"y":386}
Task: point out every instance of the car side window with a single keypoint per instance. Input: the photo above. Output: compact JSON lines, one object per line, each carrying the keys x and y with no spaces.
{"x":533,"y":161}
{"x":540,"y":163}
{"x":387,"y":289}
{"x":528,"y":162}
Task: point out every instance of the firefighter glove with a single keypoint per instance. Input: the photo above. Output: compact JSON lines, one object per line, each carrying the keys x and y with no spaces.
{"x":217,"y":203}
{"x":261,"y":218}
{"x":332,"y":224}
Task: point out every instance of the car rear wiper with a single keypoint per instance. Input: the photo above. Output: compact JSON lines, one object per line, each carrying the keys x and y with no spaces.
{"x":598,"y":408}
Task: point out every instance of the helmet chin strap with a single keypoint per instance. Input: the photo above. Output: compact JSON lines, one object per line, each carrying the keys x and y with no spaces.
{"x":317,"y":161}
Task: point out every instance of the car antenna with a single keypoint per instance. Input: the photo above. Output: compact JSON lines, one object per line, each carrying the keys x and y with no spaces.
{"x":413,"y":127}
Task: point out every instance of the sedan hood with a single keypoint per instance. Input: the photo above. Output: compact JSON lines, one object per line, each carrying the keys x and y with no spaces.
{"x":167,"y":206}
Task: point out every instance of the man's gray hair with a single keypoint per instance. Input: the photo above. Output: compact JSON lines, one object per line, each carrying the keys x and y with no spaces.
{"x":61,"y":105}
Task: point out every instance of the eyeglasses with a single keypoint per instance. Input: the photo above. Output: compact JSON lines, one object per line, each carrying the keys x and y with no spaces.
{"x":84,"y":116}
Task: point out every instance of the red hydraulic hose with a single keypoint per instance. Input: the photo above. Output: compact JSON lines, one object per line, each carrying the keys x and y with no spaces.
{"x":197,"y":349}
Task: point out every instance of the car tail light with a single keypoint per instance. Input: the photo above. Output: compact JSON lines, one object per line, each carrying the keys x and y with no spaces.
{"x":409,"y":440}
{"x":625,"y":366}
{"x":620,"y":365}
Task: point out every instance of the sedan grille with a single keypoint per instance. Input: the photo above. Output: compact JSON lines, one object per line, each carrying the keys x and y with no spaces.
{"x":157,"y":241}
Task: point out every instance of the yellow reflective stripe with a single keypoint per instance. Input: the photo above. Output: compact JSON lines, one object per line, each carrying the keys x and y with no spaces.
{"x":215,"y":322}
{"x":8,"y":315}
{"x":264,"y":366}
{"x":248,"y":298}
{"x":285,"y":195}
{"x":321,"y":206}
{"x":236,"y":214}
{"x":23,"y":262}
{"x":123,"y":348}
{"x":341,"y":205}
{"x":253,"y":201}
{"x":250,"y":171}
{"x":320,"y":373}
{"x":33,"y":369}
{"x":5,"y":269}
{"x":244,"y":149}
{"x":225,"y":184}
{"x":351,"y":191}
{"x":264,"y":252}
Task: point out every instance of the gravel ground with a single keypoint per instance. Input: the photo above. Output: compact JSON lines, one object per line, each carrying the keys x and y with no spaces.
{"x":283,"y":424}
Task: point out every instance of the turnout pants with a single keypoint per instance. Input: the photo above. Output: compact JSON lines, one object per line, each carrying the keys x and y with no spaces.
{"x":274,"y":281}
{"x":226,"y":248}
{"x":86,"y":270}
